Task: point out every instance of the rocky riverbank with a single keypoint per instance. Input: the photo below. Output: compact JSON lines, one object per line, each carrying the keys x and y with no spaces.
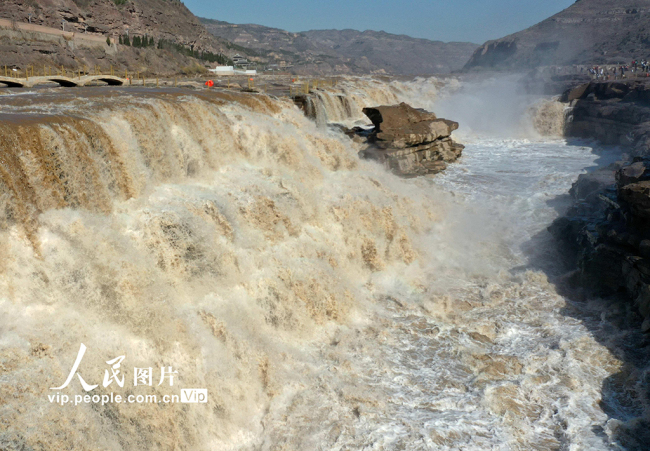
{"x":608,"y":227}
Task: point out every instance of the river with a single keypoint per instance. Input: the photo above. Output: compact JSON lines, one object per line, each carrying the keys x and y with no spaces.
{"x":322,"y":302}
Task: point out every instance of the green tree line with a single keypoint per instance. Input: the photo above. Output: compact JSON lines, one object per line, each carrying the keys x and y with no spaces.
{"x":220,"y":58}
{"x":163,"y":44}
{"x":138,"y":41}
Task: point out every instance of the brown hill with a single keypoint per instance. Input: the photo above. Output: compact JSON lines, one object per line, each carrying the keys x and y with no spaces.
{"x":588,"y":32}
{"x":168,"y":20}
{"x":343,"y":51}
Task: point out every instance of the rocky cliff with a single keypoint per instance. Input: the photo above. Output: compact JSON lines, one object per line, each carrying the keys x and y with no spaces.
{"x":608,"y":227}
{"x":588,"y":32}
{"x":615,"y":112}
{"x":169,"y":20}
{"x":344,"y":51}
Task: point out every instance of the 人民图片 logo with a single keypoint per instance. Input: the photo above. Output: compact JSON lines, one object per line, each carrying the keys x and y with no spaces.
{"x":141,"y":377}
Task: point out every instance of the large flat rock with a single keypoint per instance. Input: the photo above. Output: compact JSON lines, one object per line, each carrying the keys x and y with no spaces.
{"x":411,"y":142}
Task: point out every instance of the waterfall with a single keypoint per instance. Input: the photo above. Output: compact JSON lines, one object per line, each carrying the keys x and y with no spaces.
{"x":232,"y":245}
{"x":343,"y":103}
{"x":216,"y":233}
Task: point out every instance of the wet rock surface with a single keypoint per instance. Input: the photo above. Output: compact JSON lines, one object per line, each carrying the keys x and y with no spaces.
{"x":410,"y":142}
{"x":613,"y":112}
{"x":608,"y":227}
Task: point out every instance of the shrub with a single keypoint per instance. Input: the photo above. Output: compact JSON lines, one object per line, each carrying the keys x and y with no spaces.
{"x":194,"y":69}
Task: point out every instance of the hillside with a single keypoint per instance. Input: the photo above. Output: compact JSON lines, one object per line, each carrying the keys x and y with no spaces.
{"x":168,"y":20}
{"x":588,"y":32}
{"x":344,"y":51}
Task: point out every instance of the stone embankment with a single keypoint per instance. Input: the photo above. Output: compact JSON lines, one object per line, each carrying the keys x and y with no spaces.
{"x":608,"y":227}
{"x":408,"y":141}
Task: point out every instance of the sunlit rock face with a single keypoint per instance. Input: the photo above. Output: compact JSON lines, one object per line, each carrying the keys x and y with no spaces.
{"x":588,"y":32}
{"x":411,"y":142}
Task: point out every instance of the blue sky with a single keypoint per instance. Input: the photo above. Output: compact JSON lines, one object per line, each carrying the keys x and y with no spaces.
{"x":445,"y":20}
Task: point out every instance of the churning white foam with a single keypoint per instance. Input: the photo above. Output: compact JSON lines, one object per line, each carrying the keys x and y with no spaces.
{"x":323,"y":302}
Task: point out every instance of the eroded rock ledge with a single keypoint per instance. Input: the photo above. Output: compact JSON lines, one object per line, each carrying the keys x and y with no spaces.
{"x":614,"y":112}
{"x":608,"y":227}
{"x":410,"y":142}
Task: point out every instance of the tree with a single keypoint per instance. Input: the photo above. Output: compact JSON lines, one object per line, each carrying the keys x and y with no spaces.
{"x":108,"y":41}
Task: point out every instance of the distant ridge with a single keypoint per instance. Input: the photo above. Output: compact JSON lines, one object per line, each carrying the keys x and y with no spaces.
{"x":344,"y":51}
{"x":588,"y":32}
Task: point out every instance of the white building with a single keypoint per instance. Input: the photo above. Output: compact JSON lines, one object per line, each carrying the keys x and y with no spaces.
{"x":223,"y":70}
{"x":230,"y":70}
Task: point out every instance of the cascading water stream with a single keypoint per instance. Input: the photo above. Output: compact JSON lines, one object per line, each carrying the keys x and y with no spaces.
{"x":343,"y":104}
{"x":323,"y":302}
